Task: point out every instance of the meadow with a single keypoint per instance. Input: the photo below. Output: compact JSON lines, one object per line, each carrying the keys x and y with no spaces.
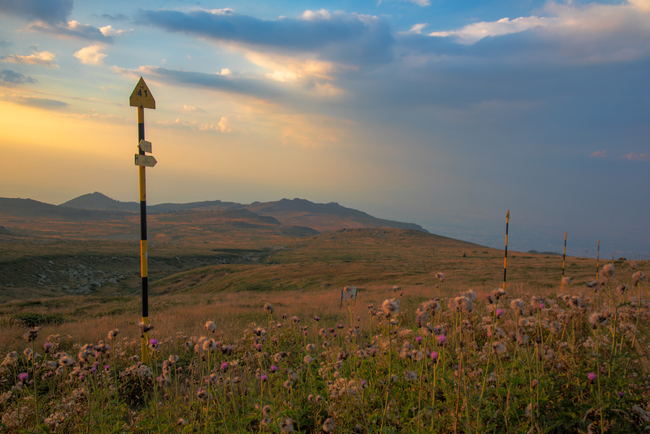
{"x":255,"y":338}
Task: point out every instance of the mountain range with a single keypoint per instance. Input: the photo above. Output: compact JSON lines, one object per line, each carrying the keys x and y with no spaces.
{"x":289,"y":212}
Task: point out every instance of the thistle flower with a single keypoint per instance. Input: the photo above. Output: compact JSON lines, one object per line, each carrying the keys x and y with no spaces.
{"x":144,"y":328}
{"x":328,"y":426}
{"x":498,"y":293}
{"x":390,"y":306}
{"x":23,"y":376}
{"x":31,"y":335}
{"x":567,"y":280}
{"x":608,"y":271}
{"x":308,"y":359}
{"x":396,"y":288}
{"x":429,"y":307}
{"x":410,"y":375}
{"x":286,"y":425}
{"x":442,"y":339}
{"x":592,"y":284}
{"x":591,"y":377}
{"x":434,"y":356}
{"x":637,"y":278}
{"x":499,"y":312}
{"x":597,"y":319}
{"x":518,"y":305}
{"x":47,"y":346}
{"x":268,"y":308}
{"x":266,"y":411}
{"x":440,"y":277}
{"x":210,"y":326}
{"x":621,"y":289}
{"x":113,"y":333}
{"x":421,"y":318}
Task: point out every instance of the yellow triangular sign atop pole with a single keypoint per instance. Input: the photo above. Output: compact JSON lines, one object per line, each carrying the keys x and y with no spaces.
{"x":142,"y":96}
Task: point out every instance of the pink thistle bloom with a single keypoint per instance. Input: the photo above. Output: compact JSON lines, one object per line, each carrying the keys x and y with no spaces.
{"x":264,"y":377}
{"x":499,"y":312}
{"x":106,"y":368}
{"x":47,"y":346}
{"x":434,"y":355}
{"x":336,"y":334}
{"x":224,"y":366}
{"x":621,"y":394}
{"x":591,"y":377}
{"x":23,"y":376}
{"x":418,"y":339}
{"x":306,"y":333}
{"x":153,"y":341}
{"x":442,"y":339}
{"x":274,"y":368}
{"x":316,"y":318}
{"x":542,"y":305}
{"x":275,"y":339}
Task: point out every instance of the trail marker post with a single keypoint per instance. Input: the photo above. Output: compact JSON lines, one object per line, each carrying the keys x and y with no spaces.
{"x":141,"y":98}
{"x":505,"y":258}
{"x":563,"y":262}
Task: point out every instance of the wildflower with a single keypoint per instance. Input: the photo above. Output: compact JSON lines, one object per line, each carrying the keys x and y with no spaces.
{"x":517,"y":305}
{"x":421,"y":318}
{"x":498,"y":347}
{"x":418,"y":339}
{"x":442,"y":339}
{"x":113,"y":333}
{"x":47,"y":346}
{"x":608,"y":271}
{"x":295,"y":319}
{"x":224,"y":366}
{"x":203,"y":395}
{"x":390,"y":306}
{"x":31,"y":335}
{"x":429,"y":307}
{"x":210,"y":326}
{"x":621,"y":289}
{"x":440,"y":276}
{"x":499,"y":312}
{"x":144,"y":328}
{"x":534,"y":384}
{"x":66,"y":360}
{"x":181,"y":422}
{"x":597,"y":319}
{"x":264,"y":377}
{"x":23,"y":377}
{"x":396,"y":288}
{"x":153,"y":344}
{"x":462,"y":303}
{"x":591,"y":377}
{"x":310,"y":347}
{"x":266,"y":411}
{"x":592,"y":284}
{"x":274,"y":368}
{"x":316,"y":318}
{"x":173,"y":359}
{"x":621,"y":394}
{"x":566,"y":281}
{"x":268,"y":308}
{"x":308,"y":359}
{"x":410,"y":375}
{"x":286,"y":425}
{"x":637,"y":278}
{"x":498,"y":293}
{"x":434,"y":356}
{"x":328,"y":426}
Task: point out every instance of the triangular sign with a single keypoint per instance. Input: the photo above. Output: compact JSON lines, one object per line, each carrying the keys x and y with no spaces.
{"x":142,"y":96}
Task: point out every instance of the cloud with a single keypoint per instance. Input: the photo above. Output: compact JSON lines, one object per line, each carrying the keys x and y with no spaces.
{"x":191,"y":108}
{"x":73,"y":29}
{"x":30,"y":101}
{"x":49,"y":11}
{"x":347,"y":38}
{"x":598,"y":154}
{"x":44,"y":58}
{"x":118,"y":17}
{"x":110,"y":31}
{"x":231,"y":83}
{"x":636,"y":157}
{"x":417,"y":28}
{"x":222,"y":126}
{"x":91,"y":55}
{"x":592,"y":33}
{"x":477,"y":31}
{"x":9,"y":78}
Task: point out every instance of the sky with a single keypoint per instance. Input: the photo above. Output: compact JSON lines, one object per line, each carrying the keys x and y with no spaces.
{"x":445,"y":113}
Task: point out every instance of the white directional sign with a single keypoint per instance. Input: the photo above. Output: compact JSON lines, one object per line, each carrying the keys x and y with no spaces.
{"x":145,"y":146}
{"x":145,"y":160}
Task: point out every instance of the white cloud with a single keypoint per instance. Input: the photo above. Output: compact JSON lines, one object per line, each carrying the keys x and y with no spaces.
{"x":225,"y":71}
{"x":417,"y":28}
{"x":316,"y":15}
{"x":593,"y":23}
{"x":639,"y":157}
{"x":477,"y":31}
{"x":224,"y":125}
{"x":598,"y":154}
{"x":110,"y":31}
{"x":91,"y":55}
{"x":44,"y":58}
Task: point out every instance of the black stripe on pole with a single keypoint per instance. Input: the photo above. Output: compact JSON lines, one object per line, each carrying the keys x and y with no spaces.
{"x":505,"y":258}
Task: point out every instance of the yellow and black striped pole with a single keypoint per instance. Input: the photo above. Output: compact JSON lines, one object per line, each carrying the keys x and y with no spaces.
{"x":505,"y":257}
{"x":563,"y":261}
{"x":142,"y":98}
{"x":144,"y":264}
{"x":597,"y":258}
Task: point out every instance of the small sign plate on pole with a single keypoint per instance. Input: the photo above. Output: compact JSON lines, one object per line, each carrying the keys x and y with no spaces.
{"x":141,"y":96}
{"x":145,"y":160}
{"x":145,"y":146}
